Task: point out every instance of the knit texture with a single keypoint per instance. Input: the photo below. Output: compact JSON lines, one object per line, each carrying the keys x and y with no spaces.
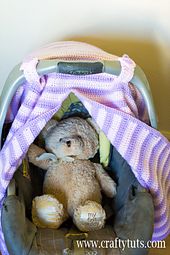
{"x":113,"y":103}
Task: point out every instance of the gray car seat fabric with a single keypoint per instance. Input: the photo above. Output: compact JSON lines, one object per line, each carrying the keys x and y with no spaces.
{"x":134,"y":211}
{"x":18,"y":231}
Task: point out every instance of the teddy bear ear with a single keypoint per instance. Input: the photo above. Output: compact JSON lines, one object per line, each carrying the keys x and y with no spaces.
{"x":93,"y":124}
{"x":50,"y":125}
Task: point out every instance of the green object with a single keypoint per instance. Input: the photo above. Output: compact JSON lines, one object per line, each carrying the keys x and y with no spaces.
{"x":104,"y":149}
{"x":65,"y":106}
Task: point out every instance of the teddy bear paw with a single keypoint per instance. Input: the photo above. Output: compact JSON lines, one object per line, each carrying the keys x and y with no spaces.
{"x":89,"y":217}
{"x":47,"y":212}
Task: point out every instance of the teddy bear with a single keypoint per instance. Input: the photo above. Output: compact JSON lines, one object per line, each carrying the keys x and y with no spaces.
{"x":73,"y":184}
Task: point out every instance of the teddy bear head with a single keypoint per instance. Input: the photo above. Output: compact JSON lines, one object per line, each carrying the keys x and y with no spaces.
{"x":72,"y":137}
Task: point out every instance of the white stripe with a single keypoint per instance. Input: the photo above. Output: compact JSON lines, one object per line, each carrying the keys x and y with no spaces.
{"x":24,"y":110}
{"x":6,"y":164}
{"x":31,"y":95}
{"x":38,"y":111}
{"x":88,"y":106}
{"x":163,"y":164}
{"x":115,"y":96}
{"x":149,"y":149}
{"x":4,"y":183}
{"x":119,"y":96}
{"x":114,"y":128}
{"x":52,"y":97}
{"x":101,"y":117}
{"x":162,"y":211}
{"x":13,"y":169}
{"x":127,"y":137}
{"x":8,"y":137}
{"x":7,"y":153}
{"x":160,"y":198}
{"x":28,"y":136}
{"x":137,"y":148}
{"x":161,"y":177}
{"x":1,"y":166}
{"x":157,"y":171}
{"x":17,"y":149}
{"x":126,"y":109}
{"x":41,"y":123}
{"x":16,"y":124}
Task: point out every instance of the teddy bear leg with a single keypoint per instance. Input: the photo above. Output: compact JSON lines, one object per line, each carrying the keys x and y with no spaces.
{"x":48,"y":212}
{"x":90,"y":216}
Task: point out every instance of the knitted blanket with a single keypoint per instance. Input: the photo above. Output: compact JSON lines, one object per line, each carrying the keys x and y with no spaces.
{"x":113,"y":103}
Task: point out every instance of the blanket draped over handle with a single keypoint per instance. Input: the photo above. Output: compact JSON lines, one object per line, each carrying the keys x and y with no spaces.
{"x":115,"y":105}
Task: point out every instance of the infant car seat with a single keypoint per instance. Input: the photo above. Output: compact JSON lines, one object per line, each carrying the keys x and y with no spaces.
{"x":131,"y":214}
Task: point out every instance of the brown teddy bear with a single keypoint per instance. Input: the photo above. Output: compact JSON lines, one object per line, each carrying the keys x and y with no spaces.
{"x":73,"y":184}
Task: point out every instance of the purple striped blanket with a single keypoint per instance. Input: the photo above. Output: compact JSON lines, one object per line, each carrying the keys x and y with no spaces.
{"x":114,"y":104}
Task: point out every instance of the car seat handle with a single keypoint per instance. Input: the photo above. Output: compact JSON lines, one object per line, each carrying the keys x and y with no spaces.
{"x":16,"y":78}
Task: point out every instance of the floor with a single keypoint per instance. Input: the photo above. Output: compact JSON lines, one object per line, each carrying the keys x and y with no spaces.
{"x":165,"y":251}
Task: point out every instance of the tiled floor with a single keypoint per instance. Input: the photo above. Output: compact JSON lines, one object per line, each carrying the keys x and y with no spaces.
{"x":165,"y":251}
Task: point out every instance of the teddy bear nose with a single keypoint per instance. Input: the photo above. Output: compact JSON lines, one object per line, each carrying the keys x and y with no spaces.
{"x":68,"y":143}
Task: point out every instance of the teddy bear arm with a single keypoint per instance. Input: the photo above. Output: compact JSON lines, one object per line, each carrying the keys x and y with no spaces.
{"x":106,"y":182}
{"x":33,"y":152}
